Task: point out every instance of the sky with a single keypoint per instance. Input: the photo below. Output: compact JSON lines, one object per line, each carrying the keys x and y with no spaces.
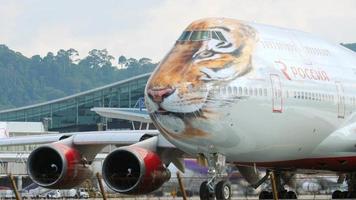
{"x":149,"y":28}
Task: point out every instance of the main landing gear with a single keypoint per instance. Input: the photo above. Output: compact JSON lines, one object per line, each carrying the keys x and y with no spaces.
{"x":216,"y":185}
{"x":278,"y":190}
{"x":351,"y":184}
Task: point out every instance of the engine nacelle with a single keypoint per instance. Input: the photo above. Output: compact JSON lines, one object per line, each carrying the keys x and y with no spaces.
{"x":134,"y":170}
{"x":57,"y":166}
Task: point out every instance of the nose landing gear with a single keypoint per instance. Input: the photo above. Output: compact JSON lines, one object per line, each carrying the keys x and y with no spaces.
{"x":216,"y":185}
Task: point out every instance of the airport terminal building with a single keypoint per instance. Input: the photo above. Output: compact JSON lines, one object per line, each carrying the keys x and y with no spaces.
{"x":68,"y":114}
{"x":73,"y":113}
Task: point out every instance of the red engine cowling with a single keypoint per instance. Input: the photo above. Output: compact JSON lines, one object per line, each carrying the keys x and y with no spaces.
{"x":134,"y":170}
{"x":57,"y":166}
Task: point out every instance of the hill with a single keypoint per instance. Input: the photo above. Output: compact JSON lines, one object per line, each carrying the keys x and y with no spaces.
{"x":25,"y":81}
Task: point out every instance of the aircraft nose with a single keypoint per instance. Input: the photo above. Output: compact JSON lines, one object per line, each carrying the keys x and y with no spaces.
{"x":158,"y":94}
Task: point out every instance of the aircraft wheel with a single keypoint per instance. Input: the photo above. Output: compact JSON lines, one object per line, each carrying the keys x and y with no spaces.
{"x":345,"y":195}
{"x":291,"y":195}
{"x":204,"y":193}
{"x":264,"y":195}
{"x":223,"y":190}
{"x":283,"y":194}
{"x":336,"y":194}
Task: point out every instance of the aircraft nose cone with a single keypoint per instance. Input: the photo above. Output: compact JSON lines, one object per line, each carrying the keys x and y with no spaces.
{"x":158,"y":94}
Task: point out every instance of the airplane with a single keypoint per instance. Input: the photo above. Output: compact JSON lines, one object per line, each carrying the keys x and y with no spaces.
{"x":229,"y":91}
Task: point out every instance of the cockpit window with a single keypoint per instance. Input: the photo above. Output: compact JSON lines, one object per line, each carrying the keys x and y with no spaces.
{"x":185,"y":36}
{"x":221,"y":36}
{"x":215,"y":36}
{"x":201,"y":35}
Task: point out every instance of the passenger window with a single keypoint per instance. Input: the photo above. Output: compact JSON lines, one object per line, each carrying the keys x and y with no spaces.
{"x":255,"y":92}
{"x":240,"y":90}
{"x":223,"y":90}
{"x":250,"y":92}
{"x":246,"y":92}
{"x":229,"y":90}
{"x":235,"y":90}
{"x":260,"y":91}
{"x":265,"y":91}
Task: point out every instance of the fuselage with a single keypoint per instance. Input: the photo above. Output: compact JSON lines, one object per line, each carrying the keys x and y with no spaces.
{"x":257,"y":94}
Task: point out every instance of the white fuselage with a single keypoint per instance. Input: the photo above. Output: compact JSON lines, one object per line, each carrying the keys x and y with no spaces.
{"x":299,"y":92}
{"x":281,"y":119}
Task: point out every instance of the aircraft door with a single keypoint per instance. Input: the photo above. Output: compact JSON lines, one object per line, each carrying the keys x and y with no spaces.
{"x":340,"y":98}
{"x":277,"y":102}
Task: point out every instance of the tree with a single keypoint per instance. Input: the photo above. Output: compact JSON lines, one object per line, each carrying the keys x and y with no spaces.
{"x":132,"y":62}
{"x":25,"y":81}
{"x":144,"y":61}
{"x":97,"y":58}
{"x":122,"y":60}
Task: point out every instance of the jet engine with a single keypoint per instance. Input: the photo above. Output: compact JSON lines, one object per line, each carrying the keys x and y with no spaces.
{"x":134,"y":170}
{"x":57,"y":166}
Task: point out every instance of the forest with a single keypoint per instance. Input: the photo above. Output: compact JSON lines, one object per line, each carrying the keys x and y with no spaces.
{"x":25,"y":81}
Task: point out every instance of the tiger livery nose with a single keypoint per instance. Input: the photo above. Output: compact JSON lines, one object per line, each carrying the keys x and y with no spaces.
{"x":157,"y":95}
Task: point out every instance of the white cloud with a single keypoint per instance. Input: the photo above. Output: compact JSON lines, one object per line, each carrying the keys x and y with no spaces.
{"x":333,"y":20}
{"x":9,"y":15}
{"x":137,"y":31}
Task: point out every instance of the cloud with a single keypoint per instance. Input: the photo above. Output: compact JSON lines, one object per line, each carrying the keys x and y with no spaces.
{"x":333,"y":20}
{"x":9,"y":15}
{"x":145,"y":29}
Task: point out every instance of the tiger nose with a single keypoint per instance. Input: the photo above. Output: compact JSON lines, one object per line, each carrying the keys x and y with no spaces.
{"x":157,"y":95}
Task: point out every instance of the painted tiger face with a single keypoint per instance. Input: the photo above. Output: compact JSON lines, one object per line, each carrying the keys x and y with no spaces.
{"x":209,"y":53}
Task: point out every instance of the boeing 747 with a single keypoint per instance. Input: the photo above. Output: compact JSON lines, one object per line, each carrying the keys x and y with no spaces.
{"x":229,"y":91}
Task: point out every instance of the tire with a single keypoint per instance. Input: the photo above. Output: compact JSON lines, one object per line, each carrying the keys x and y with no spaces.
{"x":345,"y":194}
{"x":223,"y":190}
{"x":291,"y":195}
{"x":204,"y":193}
{"x":336,"y":194}
{"x":283,"y":194}
{"x":263,"y":195}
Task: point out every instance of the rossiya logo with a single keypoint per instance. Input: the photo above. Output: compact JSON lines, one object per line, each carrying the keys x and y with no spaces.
{"x":301,"y":72}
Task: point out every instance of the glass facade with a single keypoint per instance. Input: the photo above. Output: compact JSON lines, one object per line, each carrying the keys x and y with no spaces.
{"x":73,"y":113}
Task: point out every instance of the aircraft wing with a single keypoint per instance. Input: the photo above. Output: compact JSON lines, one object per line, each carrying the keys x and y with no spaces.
{"x":125,"y":137}
{"x":132,"y":114}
